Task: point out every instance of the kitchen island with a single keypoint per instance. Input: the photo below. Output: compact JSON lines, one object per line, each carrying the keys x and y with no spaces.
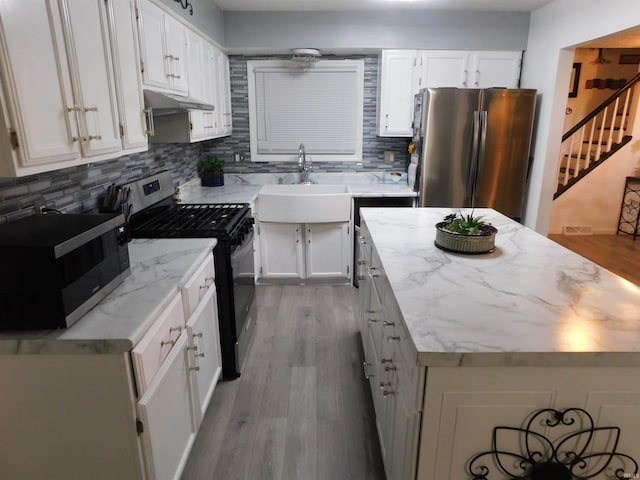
{"x":456,"y":345}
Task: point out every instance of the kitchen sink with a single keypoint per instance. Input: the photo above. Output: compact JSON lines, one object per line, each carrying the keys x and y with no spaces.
{"x":313,"y":203}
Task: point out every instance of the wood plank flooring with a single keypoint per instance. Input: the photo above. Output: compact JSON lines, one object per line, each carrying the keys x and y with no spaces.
{"x":301,"y":409}
{"x":617,"y":253}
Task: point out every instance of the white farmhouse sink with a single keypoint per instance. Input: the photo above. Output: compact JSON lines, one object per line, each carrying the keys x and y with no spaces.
{"x":304,"y":203}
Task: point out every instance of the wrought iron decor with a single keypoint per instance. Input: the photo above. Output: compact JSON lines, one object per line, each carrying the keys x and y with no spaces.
{"x":186,"y":4}
{"x":630,"y":210}
{"x":567,"y":457}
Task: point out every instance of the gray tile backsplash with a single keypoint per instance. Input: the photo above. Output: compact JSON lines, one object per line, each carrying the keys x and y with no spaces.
{"x":373,"y":146}
{"x":78,"y":189}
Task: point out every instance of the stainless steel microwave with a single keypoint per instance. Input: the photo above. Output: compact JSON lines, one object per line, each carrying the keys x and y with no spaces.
{"x":56,"y":267}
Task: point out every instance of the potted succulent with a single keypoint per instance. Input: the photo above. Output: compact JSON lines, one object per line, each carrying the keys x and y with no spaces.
{"x":210,"y":171}
{"x":465,"y":233}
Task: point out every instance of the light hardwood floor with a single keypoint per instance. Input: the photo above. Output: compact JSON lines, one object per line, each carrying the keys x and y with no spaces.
{"x":617,"y":253}
{"x":301,"y":410}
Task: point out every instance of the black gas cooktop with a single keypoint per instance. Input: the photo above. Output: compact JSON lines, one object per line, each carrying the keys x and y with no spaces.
{"x":190,"y":220}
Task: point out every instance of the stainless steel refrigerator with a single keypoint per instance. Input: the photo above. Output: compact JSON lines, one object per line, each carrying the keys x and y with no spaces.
{"x":472,"y":147}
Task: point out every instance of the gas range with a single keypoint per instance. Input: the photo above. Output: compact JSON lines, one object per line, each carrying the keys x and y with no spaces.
{"x":197,"y":220}
{"x":159,"y":216}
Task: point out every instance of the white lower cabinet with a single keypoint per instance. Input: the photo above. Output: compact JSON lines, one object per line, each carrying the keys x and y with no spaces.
{"x":204,"y":353}
{"x":168,"y":428}
{"x":128,"y":416}
{"x":304,"y":251}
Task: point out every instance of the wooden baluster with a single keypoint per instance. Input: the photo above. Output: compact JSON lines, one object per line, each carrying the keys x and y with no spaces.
{"x":623,"y":119}
{"x":612,"y":125}
{"x":604,"y":119}
{"x":590,"y":157}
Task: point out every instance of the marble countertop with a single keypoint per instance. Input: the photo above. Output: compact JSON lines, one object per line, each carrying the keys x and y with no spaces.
{"x":531,"y":302}
{"x":244,"y":188}
{"x":159,"y":269}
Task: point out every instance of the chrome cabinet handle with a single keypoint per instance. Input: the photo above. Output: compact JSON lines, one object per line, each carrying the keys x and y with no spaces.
{"x":94,"y":137}
{"x":386,"y":360}
{"x":194,"y":369}
{"x":386,"y":393}
{"x":175,"y":329}
{"x":91,"y":109}
{"x":388,"y":324}
{"x":199,"y":355}
{"x":393,"y":338}
{"x":390,"y":369}
{"x":166,"y":342}
{"x":74,"y":108}
{"x":199,"y":334}
{"x":372,"y":320}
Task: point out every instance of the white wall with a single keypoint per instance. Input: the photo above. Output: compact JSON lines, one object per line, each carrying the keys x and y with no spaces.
{"x":553,"y":33}
{"x":278,"y":32}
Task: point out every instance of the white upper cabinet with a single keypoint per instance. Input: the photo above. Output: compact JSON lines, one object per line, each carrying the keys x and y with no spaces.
{"x":163,"y":42}
{"x":223,"y":90}
{"x":126,"y":60}
{"x":404,"y":72}
{"x":396,"y":90}
{"x":95,"y":103}
{"x":495,"y":69}
{"x":442,"y":69}
{"x":59,"y":103}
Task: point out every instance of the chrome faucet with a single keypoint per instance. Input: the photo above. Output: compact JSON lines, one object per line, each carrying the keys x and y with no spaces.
{"x":304,"y":164}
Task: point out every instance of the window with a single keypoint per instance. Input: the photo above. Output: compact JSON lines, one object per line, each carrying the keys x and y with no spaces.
{"x":320,"y":106}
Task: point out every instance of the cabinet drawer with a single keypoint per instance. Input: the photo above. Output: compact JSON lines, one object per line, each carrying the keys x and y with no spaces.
{"x":195,"y":289}
{"x":150,"y":352}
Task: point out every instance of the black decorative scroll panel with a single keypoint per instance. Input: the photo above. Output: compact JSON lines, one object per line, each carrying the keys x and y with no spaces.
{"x":630,"y":208}
{"x":555,"y":445}
{"x":185,"y":4}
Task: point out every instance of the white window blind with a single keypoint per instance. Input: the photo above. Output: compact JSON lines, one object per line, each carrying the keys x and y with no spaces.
{"x":320,"y":106}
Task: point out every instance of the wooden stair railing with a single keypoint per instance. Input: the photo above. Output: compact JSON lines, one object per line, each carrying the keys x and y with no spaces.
{"x":596,"y":137}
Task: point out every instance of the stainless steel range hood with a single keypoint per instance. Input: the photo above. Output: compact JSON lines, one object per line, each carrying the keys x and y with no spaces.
{"x":167,"y":104}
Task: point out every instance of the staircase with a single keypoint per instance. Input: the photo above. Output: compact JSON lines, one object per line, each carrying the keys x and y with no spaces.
{"x":597,"y":137}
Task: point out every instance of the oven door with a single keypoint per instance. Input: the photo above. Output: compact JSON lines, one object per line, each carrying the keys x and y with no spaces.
{"x":244,"y":291}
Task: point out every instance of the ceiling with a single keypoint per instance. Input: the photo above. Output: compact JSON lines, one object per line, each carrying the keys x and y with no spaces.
{"x":333,"y":5}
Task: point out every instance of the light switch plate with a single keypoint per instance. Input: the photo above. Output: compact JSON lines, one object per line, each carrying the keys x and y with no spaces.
{"x":389,"y":157}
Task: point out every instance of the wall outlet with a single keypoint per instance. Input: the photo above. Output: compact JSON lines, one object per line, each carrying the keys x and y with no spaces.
{"x":389,"y":157}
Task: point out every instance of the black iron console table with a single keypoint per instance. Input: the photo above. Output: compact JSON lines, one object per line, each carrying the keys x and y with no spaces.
{"x":630,"y":209}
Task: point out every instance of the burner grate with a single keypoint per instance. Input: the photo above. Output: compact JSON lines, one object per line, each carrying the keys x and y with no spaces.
{"x":186,"y":220}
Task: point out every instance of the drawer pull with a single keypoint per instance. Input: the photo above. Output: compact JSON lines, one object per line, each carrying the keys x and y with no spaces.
{"x":372,"y":320}
{"x":194,"y":348}
{"x":166,"y":342}
{"x":386,"y":393}
{"x":386,"y":360}
{"x":388,"y":324}
{"x":390,"y":369}
{"x":364,"y":369}
{"x":384,"y":385}
{"x":194,"y":369}
{"x":393,"y":338}
{"x":175,"y":329}
{"x":199,"y":334}
{"x":199,"y":355}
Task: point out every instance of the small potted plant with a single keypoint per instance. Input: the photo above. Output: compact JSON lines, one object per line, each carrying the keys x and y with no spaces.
{"x":465,"y":233}
{"x":210,"y":171}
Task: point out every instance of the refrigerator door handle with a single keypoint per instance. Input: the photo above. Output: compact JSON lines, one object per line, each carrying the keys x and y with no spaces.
{"x":470,"y":194}
{"x":481,"y":149}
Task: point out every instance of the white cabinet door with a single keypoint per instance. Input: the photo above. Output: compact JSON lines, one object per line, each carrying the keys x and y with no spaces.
{"x":197,"y":66}
{"x":94,"y":93}
{"x":126,"y":60}
{"x":163,"y":42}
{"x":281,"y":250}
{"x":327,"y":250}
{"x":395,"y":103}
{"x":495,"y":69}
{"x":223,"y":104}
{"x":165,"y":412}
{"x":444,"y":68}
{"x":204,"y":348}
{"x":38,"y":93}
{"x":152,"y":45}
{"x":176,"y":54}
